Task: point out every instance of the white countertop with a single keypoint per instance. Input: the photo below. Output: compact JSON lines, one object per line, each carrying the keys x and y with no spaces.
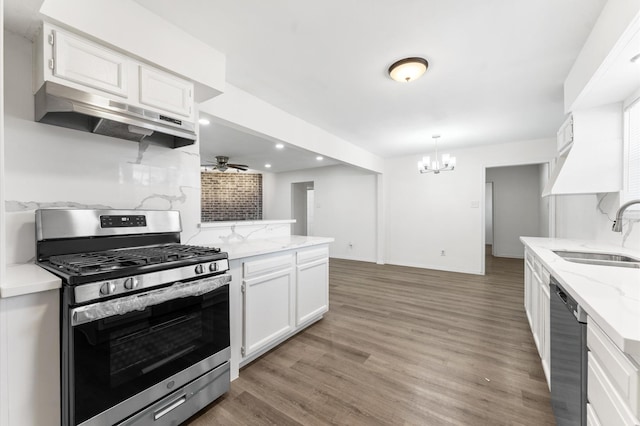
{"x":27,"y":278}
{"x":30,"y":278}
{"x":610,"y":295}
{"x":247,"y":248}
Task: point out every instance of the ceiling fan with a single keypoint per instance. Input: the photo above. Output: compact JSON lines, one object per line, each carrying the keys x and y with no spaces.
{"x":222,"y":164}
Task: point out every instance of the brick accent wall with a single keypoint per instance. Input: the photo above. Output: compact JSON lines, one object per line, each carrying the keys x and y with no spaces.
{"x":231,"y":196}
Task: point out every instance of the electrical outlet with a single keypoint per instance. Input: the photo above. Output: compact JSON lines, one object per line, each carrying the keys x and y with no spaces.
{"x":443,"y":253}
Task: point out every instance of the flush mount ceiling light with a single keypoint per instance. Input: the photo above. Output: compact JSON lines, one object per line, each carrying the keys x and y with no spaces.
{"x":448,"y":162}
{"x":204,"y":121}
{"x":319,"y":158}
{"x":408,"y":69}
{"x":279,"y":146}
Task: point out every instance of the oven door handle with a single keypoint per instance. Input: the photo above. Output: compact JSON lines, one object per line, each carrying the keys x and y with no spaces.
{"x":139,"y":302}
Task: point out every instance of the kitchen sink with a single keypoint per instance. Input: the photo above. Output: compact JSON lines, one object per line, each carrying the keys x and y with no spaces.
{"x":604,"y":259}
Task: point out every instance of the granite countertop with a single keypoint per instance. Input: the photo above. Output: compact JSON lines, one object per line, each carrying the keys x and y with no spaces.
{"x":27,"y":278}
{"x":247,"y":248}
{"x":610,"y":295}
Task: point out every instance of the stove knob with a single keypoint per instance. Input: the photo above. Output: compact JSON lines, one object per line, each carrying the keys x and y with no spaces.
{"x":213,"y":267}
{"x":131,"y":283}
{"x":107,"y":288}
{"x":199,"y":269}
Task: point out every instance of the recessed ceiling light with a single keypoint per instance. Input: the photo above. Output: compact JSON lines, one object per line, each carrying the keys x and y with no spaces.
{"x":319,"y":158}
{"x":279,"y":145}
{"x":268,"y":166}
{"x":408,"y":69}
{"x":204,"y":121}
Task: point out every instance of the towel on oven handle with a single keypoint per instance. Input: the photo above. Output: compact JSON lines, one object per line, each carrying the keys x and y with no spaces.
{"x":140,"y":302}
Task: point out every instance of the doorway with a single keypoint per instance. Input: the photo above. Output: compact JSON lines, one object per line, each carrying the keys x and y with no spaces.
{"x":302,"y":202}
{"x":514,"y":207}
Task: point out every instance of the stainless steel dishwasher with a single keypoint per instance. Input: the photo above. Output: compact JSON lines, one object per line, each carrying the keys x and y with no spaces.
{"x":568,"y":358}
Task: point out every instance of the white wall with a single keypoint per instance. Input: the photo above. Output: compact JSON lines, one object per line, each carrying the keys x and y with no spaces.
{"x":488,"y":213}
{"x":429,"y":213}
{"x":49,"y":166}
{"x":345,"y":207}
{"x":516,"y":207}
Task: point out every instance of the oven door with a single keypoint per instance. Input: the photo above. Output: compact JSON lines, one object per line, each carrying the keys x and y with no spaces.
{"x":126,"y":353}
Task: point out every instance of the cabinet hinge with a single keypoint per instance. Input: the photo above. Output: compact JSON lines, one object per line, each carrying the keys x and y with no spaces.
{"x":51,"y":39}
{"x":242,"y":288}
{"x":51,"y":63}
{"x":242,"y":351}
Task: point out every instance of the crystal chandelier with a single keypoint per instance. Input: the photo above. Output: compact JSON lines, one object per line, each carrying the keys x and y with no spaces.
{"x":427,"y":166}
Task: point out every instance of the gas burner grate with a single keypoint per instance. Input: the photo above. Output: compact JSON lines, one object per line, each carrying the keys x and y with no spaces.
{"x":83,"y":263}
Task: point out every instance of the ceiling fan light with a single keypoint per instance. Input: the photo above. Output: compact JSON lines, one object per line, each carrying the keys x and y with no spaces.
{"x":408,"y":69}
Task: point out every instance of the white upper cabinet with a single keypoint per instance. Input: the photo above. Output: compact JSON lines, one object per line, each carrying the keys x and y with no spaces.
{"x":87,"y":63}
{"x":589,"y":162}
{"x":165,"y":91}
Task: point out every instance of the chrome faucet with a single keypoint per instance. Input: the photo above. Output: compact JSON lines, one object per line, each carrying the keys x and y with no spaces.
{"x":617,"y":224}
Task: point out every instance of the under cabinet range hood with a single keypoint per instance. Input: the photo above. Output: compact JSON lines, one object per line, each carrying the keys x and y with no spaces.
{"x":75,"y":109}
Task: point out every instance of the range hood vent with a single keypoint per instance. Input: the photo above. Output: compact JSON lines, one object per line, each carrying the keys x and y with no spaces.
{"x":592,"y":162}
{"x":64,"y":106}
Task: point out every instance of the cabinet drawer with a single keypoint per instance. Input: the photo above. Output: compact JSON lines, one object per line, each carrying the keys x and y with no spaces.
{"x":620,"y":370}
{"x":265,"y":266}
{"x":311,"y":255}
{"x":603,"y":398}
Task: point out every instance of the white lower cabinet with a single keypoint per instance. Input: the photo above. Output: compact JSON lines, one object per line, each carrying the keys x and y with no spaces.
{"x":268,"y":295}
{"x":30,"y":338}
{"x":281,"y":294}
{"x":613,"y":382}
{"x":312,"y":291}
{"x":537,"y":304}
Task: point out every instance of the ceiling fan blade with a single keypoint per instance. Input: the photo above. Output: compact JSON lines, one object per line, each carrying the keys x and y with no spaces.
{"x":242,"y":167}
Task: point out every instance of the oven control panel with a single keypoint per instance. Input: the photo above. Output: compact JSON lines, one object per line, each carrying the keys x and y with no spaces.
{"x":120,"y":286}
{"x":122,"y":221}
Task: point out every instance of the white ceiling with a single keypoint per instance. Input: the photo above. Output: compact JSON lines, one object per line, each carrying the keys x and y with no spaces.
{"x":254,"y":151}
{"x":496,"y":70}
{"x":496,"y":67}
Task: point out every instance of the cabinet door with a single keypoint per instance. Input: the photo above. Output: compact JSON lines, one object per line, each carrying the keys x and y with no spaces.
{"x":545,"y":331}
{"x":88,"y":64}
{"x":165,"y":92}
{"x":268,"y":313}
{"x":528,"y":284}
{"x":312,"y":290}
{"x":535,"y":309}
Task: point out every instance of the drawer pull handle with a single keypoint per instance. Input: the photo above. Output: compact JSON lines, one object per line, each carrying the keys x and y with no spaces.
{"x":170,"y":407}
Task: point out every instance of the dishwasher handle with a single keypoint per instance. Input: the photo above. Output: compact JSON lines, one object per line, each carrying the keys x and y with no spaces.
{"x":571,"y":305}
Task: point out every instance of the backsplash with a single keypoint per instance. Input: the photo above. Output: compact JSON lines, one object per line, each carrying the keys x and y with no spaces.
{"x":231,"y":196}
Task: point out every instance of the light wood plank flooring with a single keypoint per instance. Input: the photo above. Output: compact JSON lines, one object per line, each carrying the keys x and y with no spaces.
{"x":400,"y":346}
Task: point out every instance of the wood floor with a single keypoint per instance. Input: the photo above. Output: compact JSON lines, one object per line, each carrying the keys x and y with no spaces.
{"x":400,"y":346}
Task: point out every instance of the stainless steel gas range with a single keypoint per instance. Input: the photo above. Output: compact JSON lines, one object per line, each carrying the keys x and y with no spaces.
{"x":145,"y":319}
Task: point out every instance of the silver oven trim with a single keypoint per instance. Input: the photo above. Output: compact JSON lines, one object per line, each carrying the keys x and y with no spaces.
{"x":76,"y":223}
{"x":130,"y":406}
{"x":92,"y":291}
{"x":140,"y":301}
